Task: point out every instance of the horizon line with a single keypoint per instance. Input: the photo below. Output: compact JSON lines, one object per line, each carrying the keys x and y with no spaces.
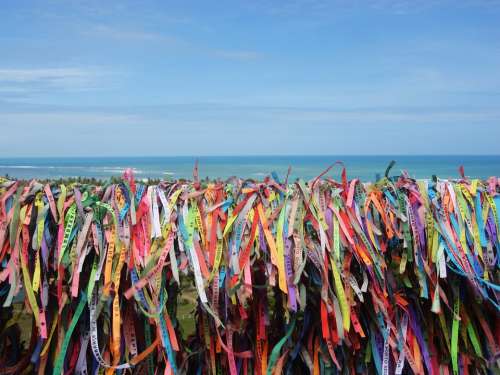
{"x":233,"y":155}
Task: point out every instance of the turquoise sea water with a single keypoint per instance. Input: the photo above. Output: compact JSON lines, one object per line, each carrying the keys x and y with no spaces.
{"x":256,"y":167}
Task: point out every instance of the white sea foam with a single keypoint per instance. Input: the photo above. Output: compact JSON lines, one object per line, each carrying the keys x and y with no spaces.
{"x":20,"y":166}
{"x":113,"y":170}
{"x":42,"y":167}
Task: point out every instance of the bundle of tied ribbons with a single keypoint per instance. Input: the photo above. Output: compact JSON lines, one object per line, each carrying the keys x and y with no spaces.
{"x":397,"y":276}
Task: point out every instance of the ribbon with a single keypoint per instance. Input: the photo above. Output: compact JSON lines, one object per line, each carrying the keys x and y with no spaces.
{"x":243,"y":276}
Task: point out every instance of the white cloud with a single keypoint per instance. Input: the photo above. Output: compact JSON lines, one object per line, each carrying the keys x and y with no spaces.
{"x":54,"y":76}
{"x":237,"y":55}
{"x":270,"y":129}
{"x":128,"y":35}
{"x":66,"y":119}
{"x":25,"y":82}
{"x":179,"y":116}
{"x":326,"y":8}
{"x":397,"y":117}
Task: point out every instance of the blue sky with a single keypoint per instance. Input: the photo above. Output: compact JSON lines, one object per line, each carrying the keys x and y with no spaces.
{"x":88,"y":78}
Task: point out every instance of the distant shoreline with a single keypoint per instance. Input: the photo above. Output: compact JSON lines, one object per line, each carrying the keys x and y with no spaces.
{"x":365,"y":168}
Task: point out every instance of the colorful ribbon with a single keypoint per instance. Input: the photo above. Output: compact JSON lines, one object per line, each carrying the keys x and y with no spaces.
{"x":397,"y":276}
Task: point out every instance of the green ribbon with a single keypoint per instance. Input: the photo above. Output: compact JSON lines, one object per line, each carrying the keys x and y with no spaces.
{"x":276,"y":350}
{"x":60,"y":358}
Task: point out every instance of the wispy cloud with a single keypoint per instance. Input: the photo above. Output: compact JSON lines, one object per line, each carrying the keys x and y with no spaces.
{"x":128,"y":35}
{"x":237,"y":55}
{"x":17,"y":83}
{"x":231,"y":113}
{"x":68,"y":118}
{"x":403,"y":6}
{"x":51,"y":76}
{"x":398,"y":117}
{"x":333,"y":7}
{"x":314,"y":130}
{"x":328,"y":115}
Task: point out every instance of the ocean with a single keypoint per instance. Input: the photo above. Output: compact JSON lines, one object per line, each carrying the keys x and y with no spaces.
{"x":367,"y":168}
